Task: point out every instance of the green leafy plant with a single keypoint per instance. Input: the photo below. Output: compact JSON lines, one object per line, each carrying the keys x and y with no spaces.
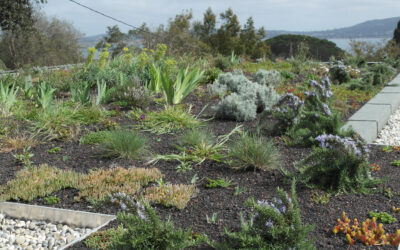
{"x":8,"y":96}
{"x":253,"y":151}
{"x":44,"y":95}
{"x":101,"y":91}
{"x":216,"y":183}
{"x":81,"y":93}
{"x":185,"y":83}
{"x":24,"y":158}
{"x":274,"y":225}
{"x":382,"y":216}
{"x":396,"y":163}
{"x":147,"y":231}
{"x":54,"y":150}
{"x":387,"y":149}
{"x":124,"y":144}
{"x":51,"y":200}
{"x":239,"y":190}
{"x":213,"y":219}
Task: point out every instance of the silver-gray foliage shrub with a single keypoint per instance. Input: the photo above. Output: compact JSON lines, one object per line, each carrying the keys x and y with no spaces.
{"x":236,"y":107}
{"x":267,"y":77}
{"x":247,"y":97}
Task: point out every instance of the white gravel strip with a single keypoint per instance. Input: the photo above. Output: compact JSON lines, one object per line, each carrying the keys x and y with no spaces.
{"x":33,"y":235}
{"x":390,"y":134}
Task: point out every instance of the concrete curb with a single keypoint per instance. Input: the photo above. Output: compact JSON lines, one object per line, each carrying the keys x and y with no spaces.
{"x":373,"y":116}
{"x":94,"y":221}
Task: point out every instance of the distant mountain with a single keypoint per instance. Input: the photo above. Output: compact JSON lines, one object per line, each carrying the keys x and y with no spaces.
{"x":380,"y":28}
{"x":90,"y":41}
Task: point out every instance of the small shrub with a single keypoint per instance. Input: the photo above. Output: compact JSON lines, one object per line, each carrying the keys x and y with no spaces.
{"x":51,"y":200}
{"x":269,"y":78}
{"x":36,"y":182}
{"x":245,"y":99}
{"x":236,"y":107}
{"x":222,"y":62}
{"x":99,"y":184}
{"x":254,"y":151}
{"x":149,"y":232}
{"x":129,"y":94}
{"x":339,"y":164}
{"x":339,"y":73}
{"x":94,"y":137}
{"x":275,"y":225}
{"x":382,"y":217}
{"x":170,"y":195}
{"x":123,"y":143}
{"x":211,"y":75}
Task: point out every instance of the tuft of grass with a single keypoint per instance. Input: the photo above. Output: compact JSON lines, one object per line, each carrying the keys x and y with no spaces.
{"x":97,"y":185}
{"x":215,"y":183}
{"x":36,"y":182}
{"x":94,"y":137}
{"x":254,"y":151}
{"x":124,"y":144}
{"x":170,"y":195}
{"x":10,"y":144}
{"x":169,"y":120}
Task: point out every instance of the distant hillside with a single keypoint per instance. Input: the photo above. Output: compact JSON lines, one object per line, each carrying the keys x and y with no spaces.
{"x":381,"y":28}
{"x":90,"y":41}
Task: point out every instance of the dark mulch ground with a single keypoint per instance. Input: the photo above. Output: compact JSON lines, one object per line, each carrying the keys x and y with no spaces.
{"x":260,"y":185}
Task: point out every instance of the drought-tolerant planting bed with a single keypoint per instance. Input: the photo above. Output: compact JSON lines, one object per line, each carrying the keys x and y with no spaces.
{"x":144,"y":135}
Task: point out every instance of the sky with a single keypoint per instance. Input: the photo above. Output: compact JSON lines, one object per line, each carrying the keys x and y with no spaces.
{"x":293,"y":15}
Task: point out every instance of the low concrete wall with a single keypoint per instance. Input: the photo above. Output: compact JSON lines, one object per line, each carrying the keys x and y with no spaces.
{"x":373,"y":116}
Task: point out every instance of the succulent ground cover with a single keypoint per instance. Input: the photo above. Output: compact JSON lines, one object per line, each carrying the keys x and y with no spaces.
{"x":128,"y":132}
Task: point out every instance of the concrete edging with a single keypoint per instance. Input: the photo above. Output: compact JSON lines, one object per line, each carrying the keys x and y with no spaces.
{"x":95,"y":221}
{"x":373,"y":116}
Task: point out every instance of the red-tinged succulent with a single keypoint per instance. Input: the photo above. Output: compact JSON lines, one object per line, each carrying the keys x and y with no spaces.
{"x":375,"y":167}
{"x":370,"y":233}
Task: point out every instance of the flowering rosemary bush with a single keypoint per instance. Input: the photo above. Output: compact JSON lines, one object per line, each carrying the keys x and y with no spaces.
{"x":147,"y":231}
{"x":339,"y":73}
{"x":338,"y":165}
{"x":274,"y":225}
{"x":301,"y":120}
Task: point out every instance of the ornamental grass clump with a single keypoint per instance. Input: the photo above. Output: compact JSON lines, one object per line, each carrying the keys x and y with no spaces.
{"x":124,"y":144}
{"x":275,"y":224}
{"x":337,"y":165}
{"x":254,"y":151}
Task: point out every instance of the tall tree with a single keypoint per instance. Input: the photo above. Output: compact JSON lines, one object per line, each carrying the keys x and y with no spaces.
{"x":115,"y":38}
{"x":396,"y":35}
{"x":17,"y":14}
{"x":49,"y":42}
{"x":228,"y":33}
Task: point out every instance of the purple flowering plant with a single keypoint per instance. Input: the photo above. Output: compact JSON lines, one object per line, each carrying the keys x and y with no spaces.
{"x":274,"y":224}
{"x":338,"y":164}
